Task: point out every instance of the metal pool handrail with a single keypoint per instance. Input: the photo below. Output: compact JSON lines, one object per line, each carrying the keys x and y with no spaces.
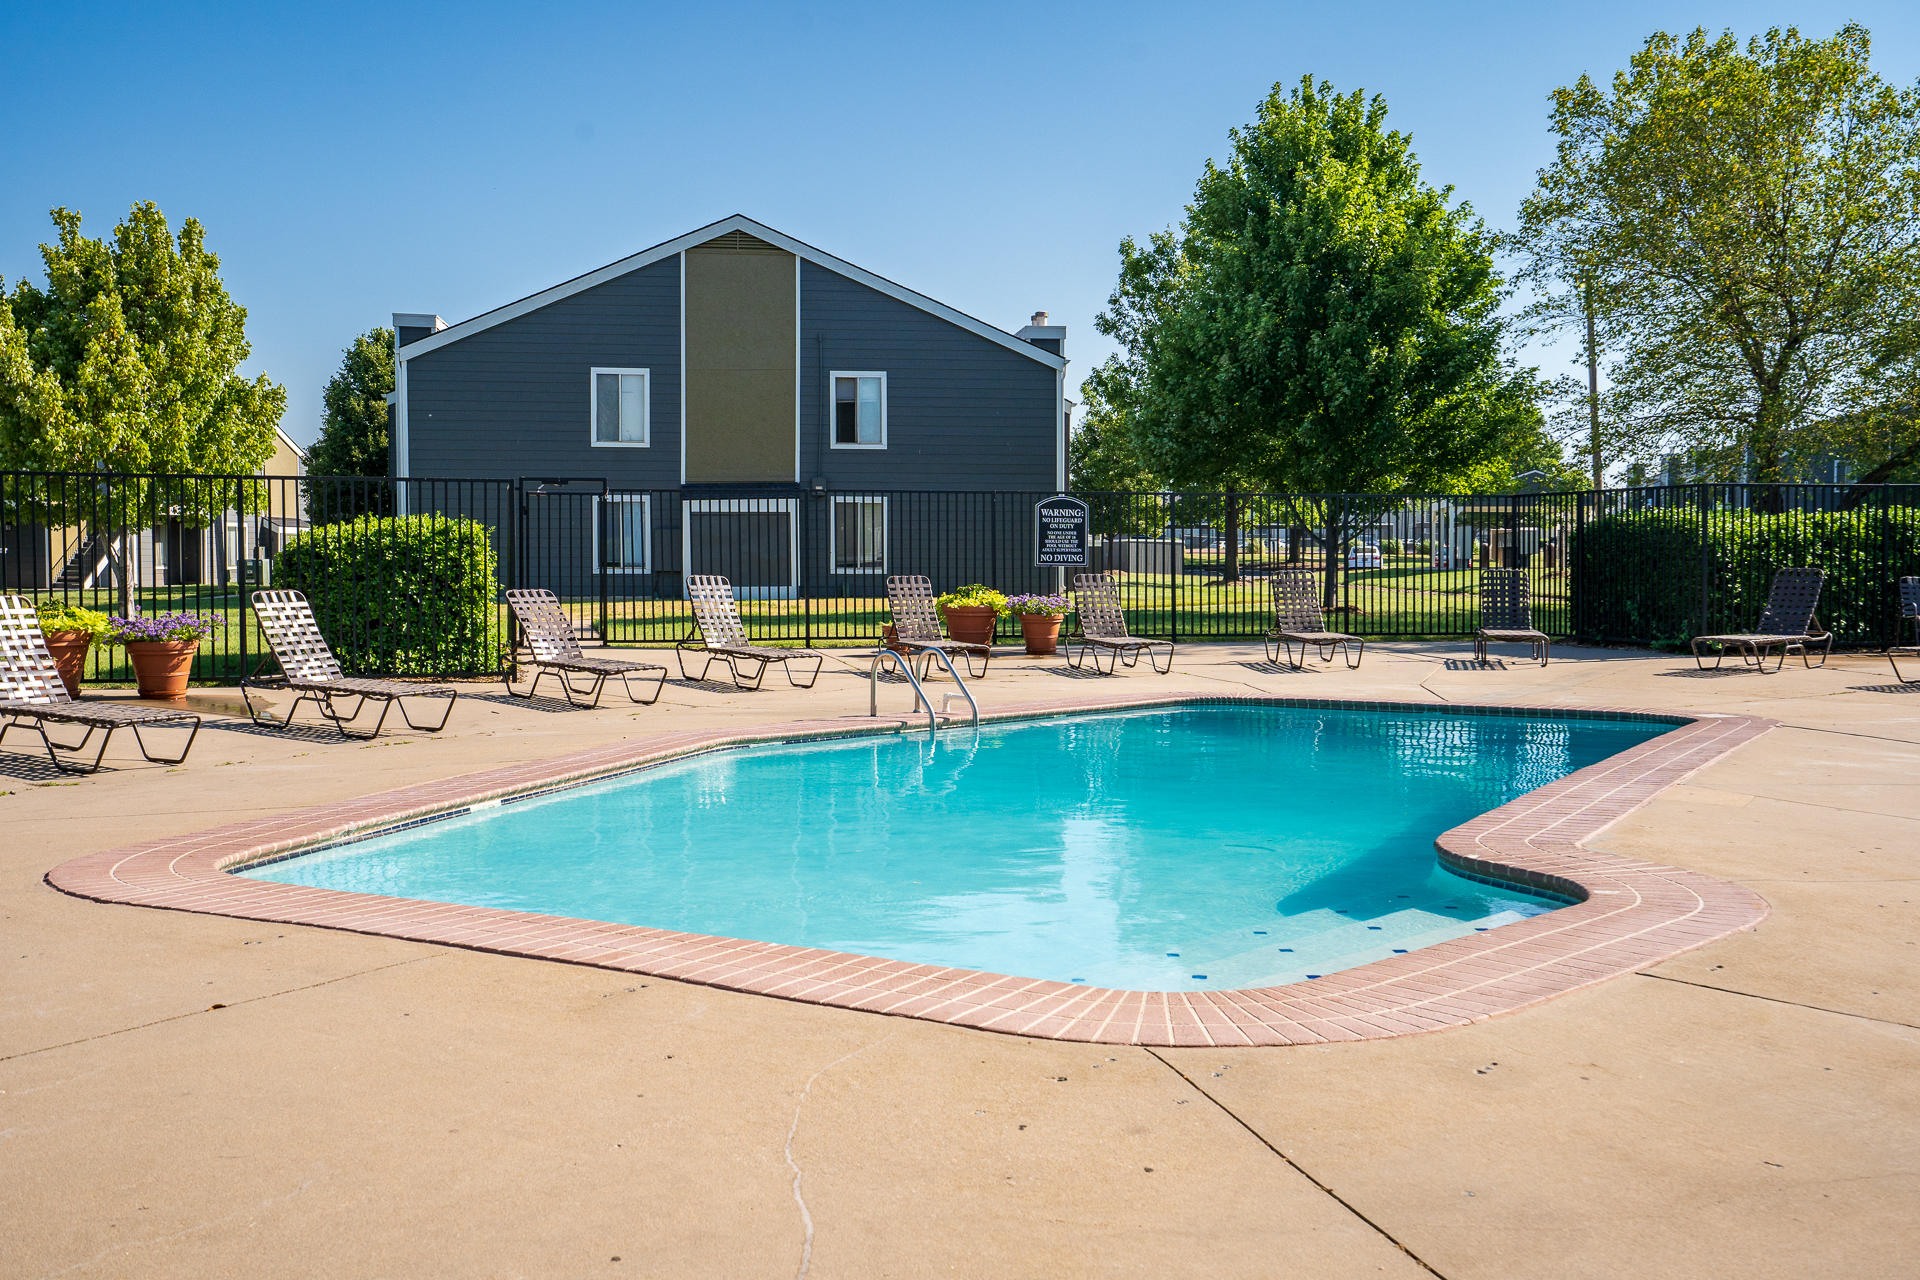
{"x":920,"y":698}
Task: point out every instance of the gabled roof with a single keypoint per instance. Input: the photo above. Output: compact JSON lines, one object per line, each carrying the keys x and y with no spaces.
{"x":738,"y":222}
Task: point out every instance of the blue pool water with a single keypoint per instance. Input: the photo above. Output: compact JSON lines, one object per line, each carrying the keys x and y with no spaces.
{"x":1202,"y":847}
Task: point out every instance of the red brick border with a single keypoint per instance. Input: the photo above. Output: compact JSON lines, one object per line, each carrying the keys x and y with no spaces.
{"x":1628,"y":914}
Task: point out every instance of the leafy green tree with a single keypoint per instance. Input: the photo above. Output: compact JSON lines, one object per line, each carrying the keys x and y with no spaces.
{"x":1751,"y":217}
{"x":353,"y":431}
{"x":126,"y":362}
{"x":1322,"y":320}
{"x":1104,"y":459}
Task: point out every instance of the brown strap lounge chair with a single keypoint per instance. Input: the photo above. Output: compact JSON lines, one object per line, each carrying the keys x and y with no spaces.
{"x":1787,"y":624}
{"x":1909,"y":616}
{"x":546,"y":633}
{"x":32,"y":696}
{"x":716,"y":623}
{"x":916,"y":626}
{"x":1298,"y":619}
{"x":1101,"y":626}
{"x":1506,"y":614}
{"x":309,"y":668}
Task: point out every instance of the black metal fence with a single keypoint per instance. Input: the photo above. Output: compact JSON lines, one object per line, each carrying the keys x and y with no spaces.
{"x":1639,"y":566}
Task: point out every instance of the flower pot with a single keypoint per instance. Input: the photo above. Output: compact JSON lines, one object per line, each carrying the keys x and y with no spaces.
{"x":1042,"y":632}
{"x":69,"y":650}
{"x":161,"y":667}
{"x":890,"y":637}
{"x":971,"y":624}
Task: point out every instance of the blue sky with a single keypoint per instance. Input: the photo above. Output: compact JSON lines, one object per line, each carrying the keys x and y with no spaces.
{"x":350,"y":160}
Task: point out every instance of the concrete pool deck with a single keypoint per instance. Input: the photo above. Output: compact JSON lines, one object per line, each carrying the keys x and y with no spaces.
{"x":194,"y":1095}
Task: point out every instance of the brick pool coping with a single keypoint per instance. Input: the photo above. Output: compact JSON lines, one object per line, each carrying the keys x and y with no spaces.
{"x":1627,"y":914}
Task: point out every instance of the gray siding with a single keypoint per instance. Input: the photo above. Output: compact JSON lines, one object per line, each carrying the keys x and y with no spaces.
{"x":513,"y":400}
{"x":962,"y":412}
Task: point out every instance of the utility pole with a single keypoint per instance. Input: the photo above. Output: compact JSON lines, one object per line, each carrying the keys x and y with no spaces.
{"x":1593,"y":386}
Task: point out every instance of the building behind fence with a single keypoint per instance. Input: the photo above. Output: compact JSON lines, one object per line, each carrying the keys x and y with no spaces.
{"x":1630,"y":566}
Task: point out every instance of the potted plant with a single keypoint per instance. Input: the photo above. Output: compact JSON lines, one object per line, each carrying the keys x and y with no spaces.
{"x":70,"y":632}
{"x":971,"y":612}
{"x":161,"y":649}
{"x":1040,"y":619}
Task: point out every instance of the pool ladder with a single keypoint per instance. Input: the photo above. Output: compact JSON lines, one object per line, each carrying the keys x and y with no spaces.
{"x":920,"y":696}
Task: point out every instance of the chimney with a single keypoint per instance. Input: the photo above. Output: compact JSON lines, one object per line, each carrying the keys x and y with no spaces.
{"x":411,"y":326}
{"x":1048,"y":337}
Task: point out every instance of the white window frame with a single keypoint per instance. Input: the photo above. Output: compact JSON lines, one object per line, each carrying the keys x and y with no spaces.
{"x":788,"y":507}
{"x":833,"y":535}
{"x":646,"y":532}
{"x":646,"y":409}
{"x":833,"y":431}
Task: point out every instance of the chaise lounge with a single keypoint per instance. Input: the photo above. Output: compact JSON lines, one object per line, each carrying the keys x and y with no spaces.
{"x":1787,"y":624}
{"x":721,"y":636}
{"x":546,"y":632}
{"x":1299,"y":619}
{"x":916,"y":626}
{"x":1506,"y":614}
{"x":1102,"y":627}
{"x":33,"y":696}
{"x":1909,"y":612}
{"x":309,"y":668}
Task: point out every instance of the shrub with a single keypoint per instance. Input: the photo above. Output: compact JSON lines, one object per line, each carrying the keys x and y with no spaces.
{"x":973,"y":596}
{"x":1637,"y":576}
{"x":401,"y":595}
{"x":1391,"y":546}
{"x":56,"y":616}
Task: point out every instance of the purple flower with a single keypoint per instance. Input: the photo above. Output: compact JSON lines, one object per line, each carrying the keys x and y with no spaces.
{"x":166,"y":626}
{"x":1038,"y":604}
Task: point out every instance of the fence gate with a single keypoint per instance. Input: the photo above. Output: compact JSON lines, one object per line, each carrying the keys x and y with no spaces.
{"x":566,"y":530}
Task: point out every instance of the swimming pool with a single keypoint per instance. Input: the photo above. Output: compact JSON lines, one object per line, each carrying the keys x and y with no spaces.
{"x":1194,"y":848}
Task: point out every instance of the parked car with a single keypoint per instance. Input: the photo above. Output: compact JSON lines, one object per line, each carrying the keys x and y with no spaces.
{"x":1365,"y":555}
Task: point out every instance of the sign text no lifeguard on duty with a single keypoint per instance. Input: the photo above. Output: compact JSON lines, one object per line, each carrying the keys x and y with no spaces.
{"x":1061,"y":533}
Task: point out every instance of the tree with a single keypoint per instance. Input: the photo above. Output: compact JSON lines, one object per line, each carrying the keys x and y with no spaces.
{"x":1751,"y":217}
{"x":125,"y":362}
{"x":1322,"y":320}
{"x":353,"y":431}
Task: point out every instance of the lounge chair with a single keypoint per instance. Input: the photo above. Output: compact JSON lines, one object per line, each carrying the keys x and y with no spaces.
{"x":32,"y":696}
{"x":309,"y":668}
{"x":1909,"y":612}
{"x":546,"y":632}
{"x":1506,"y":614}
{"x":916,"y":626}
{"x":718,"y":633}
{"x":1101,"y":626}
{"x":1786,"y":624}
{"x":1298,"y":619}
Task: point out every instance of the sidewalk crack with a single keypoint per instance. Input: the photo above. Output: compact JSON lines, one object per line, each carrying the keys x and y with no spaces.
{"x":806,"y":1218}
{"x":1293,"y":1164}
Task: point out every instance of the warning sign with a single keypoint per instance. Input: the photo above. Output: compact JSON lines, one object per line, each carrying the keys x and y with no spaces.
{"x":1061,"y":533}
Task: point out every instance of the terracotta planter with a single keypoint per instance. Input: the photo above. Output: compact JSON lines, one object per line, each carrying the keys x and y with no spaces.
{"x":890,"y":637}
{"x":1042,"y":632}
{"x":970,"y":624}
{"x":161,"y":667}
{"x":69,"y":650}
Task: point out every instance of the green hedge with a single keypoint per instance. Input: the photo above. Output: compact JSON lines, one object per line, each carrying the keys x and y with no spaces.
{"x":1637,"y":576}
{"x":400,"y":595}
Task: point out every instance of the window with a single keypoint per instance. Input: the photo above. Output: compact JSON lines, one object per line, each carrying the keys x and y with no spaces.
{"x":859,"y":410}
{"x":622,"y":520}
{"x":620,"y":408}
{"x":859,"y":535}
